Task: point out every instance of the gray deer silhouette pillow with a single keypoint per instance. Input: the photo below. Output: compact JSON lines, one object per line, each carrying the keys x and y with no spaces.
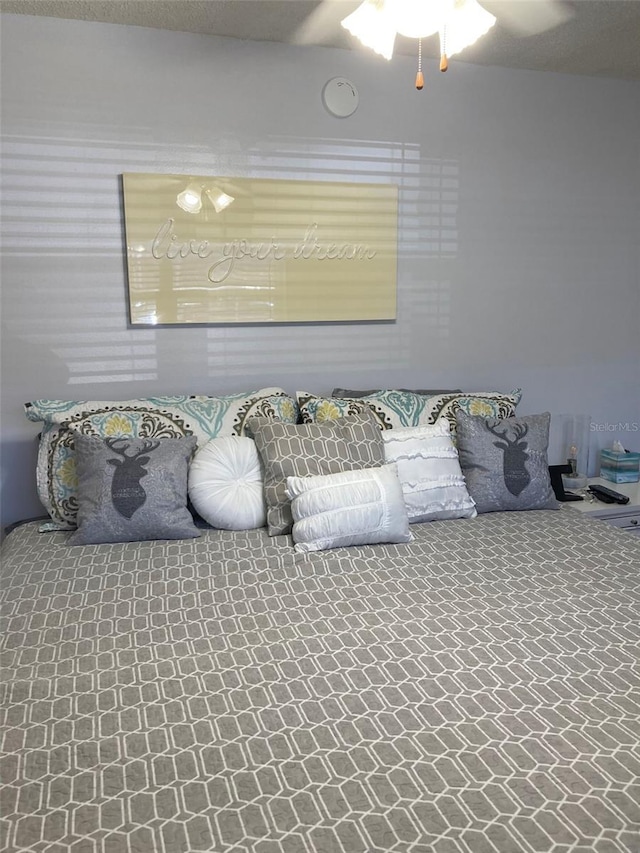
{"x":131,"y":489}
{"x":504,"y":461}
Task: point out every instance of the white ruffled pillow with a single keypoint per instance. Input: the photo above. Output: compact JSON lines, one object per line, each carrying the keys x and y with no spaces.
{"x":363,"y":507}
{"x":226,"y":484}
{"x":429,"y":470}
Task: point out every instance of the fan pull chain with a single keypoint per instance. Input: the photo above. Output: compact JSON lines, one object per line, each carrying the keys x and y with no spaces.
{"x":419,"y":75}
{"x":444,"y":63}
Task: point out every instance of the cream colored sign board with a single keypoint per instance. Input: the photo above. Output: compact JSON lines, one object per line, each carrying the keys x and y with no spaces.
{"x":279,"y":251}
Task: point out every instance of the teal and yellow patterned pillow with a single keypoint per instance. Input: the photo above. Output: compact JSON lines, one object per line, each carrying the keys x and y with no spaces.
{"x":393,"y":409}
{"x":315,"y":410}
{"x":488,"y":404}
{"x":151,"y":417}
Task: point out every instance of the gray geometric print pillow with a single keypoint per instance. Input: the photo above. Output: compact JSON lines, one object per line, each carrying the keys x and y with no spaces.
{"x":309,"y":450}
{"x":504,"y":461}
{"x":132,"y":489}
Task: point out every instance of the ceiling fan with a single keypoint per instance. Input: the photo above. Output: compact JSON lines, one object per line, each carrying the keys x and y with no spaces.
{"x":458,"y":23}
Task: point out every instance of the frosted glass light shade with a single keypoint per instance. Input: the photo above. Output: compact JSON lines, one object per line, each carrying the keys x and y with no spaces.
{"x":373,"y":24}
{"x":465,"y":24}
{"x":460,"y":23}
{"x":417,"y":19}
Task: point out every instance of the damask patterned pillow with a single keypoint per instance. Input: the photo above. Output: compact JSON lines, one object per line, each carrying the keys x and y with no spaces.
{"x":427,"y":392}
{"x":307,"y":450}
{"x":393,"y":409}
{"x":317,"y":410}
{"x":150,"y":417}
{"x":487,"y":404}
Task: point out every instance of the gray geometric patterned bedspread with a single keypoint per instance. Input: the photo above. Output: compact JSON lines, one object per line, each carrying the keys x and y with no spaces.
{"x":475,"y":691}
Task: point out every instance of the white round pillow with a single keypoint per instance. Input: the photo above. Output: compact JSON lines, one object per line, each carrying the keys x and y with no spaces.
{"x":226,"y":484}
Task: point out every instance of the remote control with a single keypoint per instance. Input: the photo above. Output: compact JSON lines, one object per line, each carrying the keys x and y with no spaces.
{"x":608,"y":496}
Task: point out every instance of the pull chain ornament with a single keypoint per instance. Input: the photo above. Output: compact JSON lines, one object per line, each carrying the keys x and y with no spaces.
{"x":419,"y":75}
{"x":444,"y":62}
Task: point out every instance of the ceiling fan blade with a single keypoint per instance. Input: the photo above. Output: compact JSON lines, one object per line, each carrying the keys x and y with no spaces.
{"x":323,"y":22}
{"x":529,"y":17}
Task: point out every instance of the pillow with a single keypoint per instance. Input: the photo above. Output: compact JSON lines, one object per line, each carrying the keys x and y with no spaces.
{"x":147,"y":417}
{"x":488,"y":404}
{"x":306,"y":450}
{"x":130,"y":489}
{"x":226,"y":486}
{"x":505,"y":462}
{"x":429,"y":472}
{"x":363,"y":507}
{"x":344,"y":392}
{"x":393,"y":409}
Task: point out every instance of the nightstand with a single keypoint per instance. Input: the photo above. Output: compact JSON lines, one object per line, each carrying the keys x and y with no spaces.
{"x":624,"y":516}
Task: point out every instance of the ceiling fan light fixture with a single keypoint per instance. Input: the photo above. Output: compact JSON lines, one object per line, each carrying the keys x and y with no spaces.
{"x":372,"y":24}
{"x":459,"y":23}
{"x":418,"y":19}
{"x":465,"y":24}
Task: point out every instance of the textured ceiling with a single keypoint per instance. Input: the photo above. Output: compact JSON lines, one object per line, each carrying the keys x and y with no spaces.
{"x":601,"y":37}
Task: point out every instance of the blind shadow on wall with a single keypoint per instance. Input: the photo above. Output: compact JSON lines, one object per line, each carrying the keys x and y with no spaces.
{"x":64,"y":256}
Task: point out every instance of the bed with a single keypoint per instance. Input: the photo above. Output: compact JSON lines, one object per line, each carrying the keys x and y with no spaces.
{"x":476,"y":689}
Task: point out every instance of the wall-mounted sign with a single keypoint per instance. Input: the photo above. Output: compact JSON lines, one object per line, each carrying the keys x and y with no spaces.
{"x":203,"y":249}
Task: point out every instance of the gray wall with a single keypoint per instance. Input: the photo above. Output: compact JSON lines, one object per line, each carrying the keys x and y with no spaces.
{"x":518,"y":245}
